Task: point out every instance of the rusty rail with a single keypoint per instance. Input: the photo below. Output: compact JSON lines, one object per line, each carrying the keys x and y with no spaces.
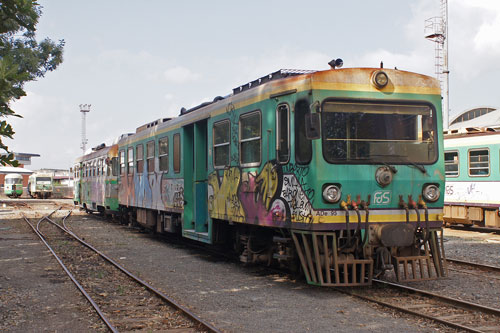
{"x":78,"y":285}
{"x":209,"y":327}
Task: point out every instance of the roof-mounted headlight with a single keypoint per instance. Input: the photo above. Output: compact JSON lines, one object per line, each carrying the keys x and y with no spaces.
{"x":380,"y":79}
{"x":431,"y":192}
{"x":332,"y":193}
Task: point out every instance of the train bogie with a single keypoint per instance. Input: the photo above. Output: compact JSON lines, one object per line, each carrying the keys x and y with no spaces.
{"x":337,"y":172}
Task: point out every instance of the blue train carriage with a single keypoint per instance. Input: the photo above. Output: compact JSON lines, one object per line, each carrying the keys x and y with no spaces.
{"x":472,"y":174}
{"x":336,"y":172}
{"x":96,"y":180}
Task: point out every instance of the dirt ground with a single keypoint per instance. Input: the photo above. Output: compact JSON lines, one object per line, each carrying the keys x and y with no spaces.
{"x":35,"y":295}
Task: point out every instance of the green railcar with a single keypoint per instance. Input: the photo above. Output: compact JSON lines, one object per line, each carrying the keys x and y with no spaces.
{"x":337,"y":173}
{"x":13,"y":185}
{"x":472,"y":174}
{"x":95,"y":181}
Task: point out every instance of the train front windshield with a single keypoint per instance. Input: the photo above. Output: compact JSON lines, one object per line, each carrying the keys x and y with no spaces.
{"x":364,"y":132}
{"x":11,"y":181}
{"x":43,"y":180}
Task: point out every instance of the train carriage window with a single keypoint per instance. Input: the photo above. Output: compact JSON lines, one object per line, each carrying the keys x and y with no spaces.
{"x":373,"y":132}
{"x":177,"y":153}
{"x":163,"y":153}
{"x":122,"y":162}
{"x":282,"y":133}
{"x":250,"y":139}
{"x":114,"y":166}
{"x":479,"y":162}
{"x":303,"y":146}
{"x":94,"y":167}
{"x":221,"y":143}
{"x":99,"y":165}
{"x":139,"y":150}
{"x":130,"y":160}
{"x":451,"y":163}
{"x":150,"y":155}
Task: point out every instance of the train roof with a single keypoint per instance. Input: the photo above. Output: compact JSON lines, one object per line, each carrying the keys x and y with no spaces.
{"x":282,"y":82}
{"x":471,"y":136}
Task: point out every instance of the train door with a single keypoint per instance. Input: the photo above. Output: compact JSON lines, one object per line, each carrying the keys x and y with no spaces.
{"x":196,"y":224}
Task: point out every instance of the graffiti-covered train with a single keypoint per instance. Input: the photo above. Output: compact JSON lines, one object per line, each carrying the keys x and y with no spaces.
{"x":336,"y":173}
{"x":472,"y":173}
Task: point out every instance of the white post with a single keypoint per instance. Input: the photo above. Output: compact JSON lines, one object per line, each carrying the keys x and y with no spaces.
{"x":84,"y":109}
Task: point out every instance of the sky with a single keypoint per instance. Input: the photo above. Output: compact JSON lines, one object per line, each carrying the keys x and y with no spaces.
{"x":138,"y":61}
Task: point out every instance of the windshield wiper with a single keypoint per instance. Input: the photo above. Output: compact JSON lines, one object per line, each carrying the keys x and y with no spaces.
{"x":392,"y":168}
{"x":418,"y":166}
{"x":405,"y":159}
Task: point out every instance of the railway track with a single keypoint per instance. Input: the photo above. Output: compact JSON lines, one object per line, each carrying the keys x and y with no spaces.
{"x":481,"y":270}
{"x":123,"y":301}
{"x":454,"y":313}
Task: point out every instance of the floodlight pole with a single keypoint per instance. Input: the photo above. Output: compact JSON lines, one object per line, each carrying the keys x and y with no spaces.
{"x":436,"y":30}
{"x":84,"y":109}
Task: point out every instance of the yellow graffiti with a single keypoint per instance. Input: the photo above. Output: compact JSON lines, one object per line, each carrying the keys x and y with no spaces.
{"x":267,"y":182}
{"x":225,"y":202}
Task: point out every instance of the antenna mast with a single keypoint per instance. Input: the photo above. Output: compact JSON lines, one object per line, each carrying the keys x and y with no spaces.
{"x":84,"y":109}
{"x":436,"y":30}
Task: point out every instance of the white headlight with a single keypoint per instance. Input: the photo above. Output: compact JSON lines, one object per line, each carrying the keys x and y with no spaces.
{"x":332,"y":193}
{"x":431,"y":192}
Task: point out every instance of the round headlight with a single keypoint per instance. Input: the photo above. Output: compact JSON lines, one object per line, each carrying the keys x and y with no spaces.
{"x":332,"y":193}
{"x":431,"y":192}
{"x":380,"y":79}
{"x":383,"y":176}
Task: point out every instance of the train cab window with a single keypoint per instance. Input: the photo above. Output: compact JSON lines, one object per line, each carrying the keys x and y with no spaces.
{"x":139,"y":150}
{"x":221,"y":146}
{"x":250,"y":139}
{"x":130,"y":160}
{"x":150,"y":155}
{"x":177,"y":153}
{"x":282,"y":133}
{"x":479,"y":162}
{"x":122,"y":162}
{"x":451,"y":163}
{"x":303,"y":146}
{"x":163,"y":153}
{"x":371,"y":132}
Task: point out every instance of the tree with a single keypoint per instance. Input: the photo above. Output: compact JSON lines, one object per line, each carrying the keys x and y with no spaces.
{"x":22,"y":59}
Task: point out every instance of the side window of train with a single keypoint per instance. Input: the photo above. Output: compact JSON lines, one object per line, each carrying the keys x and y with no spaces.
{"x":94,"y":167}
{"x":177,"y":153}
{"x":221,"y":143}
{"x":303,"y":146}
{"x":139,"y":150}
{"x":122,"y":162}
{"x":479,"y":162}
{"x":130,"y":160}
{"x":150,"y":156}
{"x":99,"y":164}
{"x":282,"y":133}
{"x":163,"y":153}
{"x":451,"y":163}
{"x":103,"y":167}
{"x":114,"y":166}
{"x":250,"y":139}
